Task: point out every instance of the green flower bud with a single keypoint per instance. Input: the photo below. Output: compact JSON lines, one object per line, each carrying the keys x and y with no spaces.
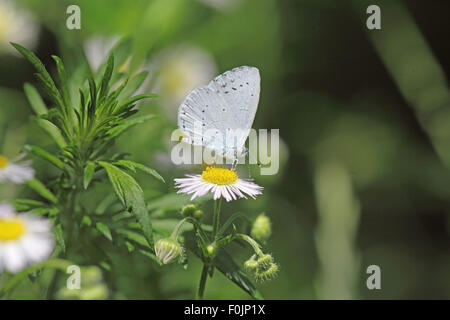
{"x":261,"y":228}
{"x":251,"y":265}
{"x":188,"y":210}
{"x":167,"y":250}
{"x":265,"y":261}
{"x":265,"y":274}
{"x":211,"y":249}
{"x":198,"y":214}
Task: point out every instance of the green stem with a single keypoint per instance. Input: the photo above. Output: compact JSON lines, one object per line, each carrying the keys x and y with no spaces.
{"x":207,"y":265}
{"x":256,"y":247}
{"x":216,"y":218}
{"x":226,"y":240}
{"x":177,"y":228}
{"x":70,"y":214}
{"x":202,"y":284}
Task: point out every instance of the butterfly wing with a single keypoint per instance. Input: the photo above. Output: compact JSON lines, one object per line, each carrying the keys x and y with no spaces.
{"x":226,"y":105}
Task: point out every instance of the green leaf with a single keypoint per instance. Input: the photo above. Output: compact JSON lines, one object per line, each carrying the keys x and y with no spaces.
{"x":42,"y":190}
{"x":59,"y":237}
{"x":129,"y":246}
{"x":41,"y":153}
{"x":107,"y":77}
{"x":26,"y":204}
{"x":86,"y":221}
{"x":131,"y":195}
{"x":104,"y":230}
{"x":93,"y":102}
{"x":63,"y":81}
{"x":121,"y":52}
{"x":126,"y":124}
{"x":30,"y":56}
{"x":53,"y":131}
{"x":50,"y":91}
{"x":35,"y":99}
{"x":43,"y":76}
{"x":230,"y":220}
{"x":133,"y":85}
{"x":135,"y":237}
{"x":150,"y":255}
{"x":88,"y":174}
{"x":226,"y":265}
{"x":135,"y":165}
{"x":133,"y":100}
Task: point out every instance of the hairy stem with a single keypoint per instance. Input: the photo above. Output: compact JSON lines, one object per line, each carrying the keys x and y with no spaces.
{"x":228,"y":239}
{"x":69,"y":212}
{"x":216,"y":218}
{"x":202,"y":284}
{"x":207,"y":265}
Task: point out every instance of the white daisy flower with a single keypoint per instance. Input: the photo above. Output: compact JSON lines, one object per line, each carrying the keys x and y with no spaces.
{"x":221,"y":182}
{"x":24,"y":239}
{"x":15,"y":172}
{"x":177,"y":70}
{"x":16,"y":25}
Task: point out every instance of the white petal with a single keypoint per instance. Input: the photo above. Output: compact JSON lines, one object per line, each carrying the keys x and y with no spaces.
{"x":14,"y":259}
{"x":17,"y":173}
{"x":37,"y":247}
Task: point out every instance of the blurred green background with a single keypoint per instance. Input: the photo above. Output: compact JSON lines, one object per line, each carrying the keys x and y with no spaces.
{"x":364,"y":119}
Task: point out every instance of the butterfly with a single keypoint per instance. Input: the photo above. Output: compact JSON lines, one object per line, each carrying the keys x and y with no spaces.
{"x":219,"y":116}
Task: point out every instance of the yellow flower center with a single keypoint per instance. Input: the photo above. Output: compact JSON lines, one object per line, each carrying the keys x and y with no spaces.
{"x":219,"y":176}
{"x":11,"y":229}
{"x":3,"y":162}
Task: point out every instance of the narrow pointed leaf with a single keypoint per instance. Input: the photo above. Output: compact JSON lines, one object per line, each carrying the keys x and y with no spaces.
{"x":131,"y":195}
{"x":88,"y":174}
{"x":35,"y":99}
{"x":42,"y":190}
{"x":41,"y":153}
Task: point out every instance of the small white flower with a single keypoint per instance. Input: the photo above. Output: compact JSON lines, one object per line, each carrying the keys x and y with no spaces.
{"x":219,"y":181}
{"x":16,"y":25}
{"x":15,"y":172}
{"x":24,"y":239}
{"x":177,"y":70}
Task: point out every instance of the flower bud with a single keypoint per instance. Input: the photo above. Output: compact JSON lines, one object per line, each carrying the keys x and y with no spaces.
{"x":251,"y":265}
{"x":188,"y":210}
{"x":265,"y":261}
{"x":167,"y":250}
{"x":261,"y":228}
{"x":211,"y":249}
{"x":198,"y":214}
{"x":267,"y":273}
